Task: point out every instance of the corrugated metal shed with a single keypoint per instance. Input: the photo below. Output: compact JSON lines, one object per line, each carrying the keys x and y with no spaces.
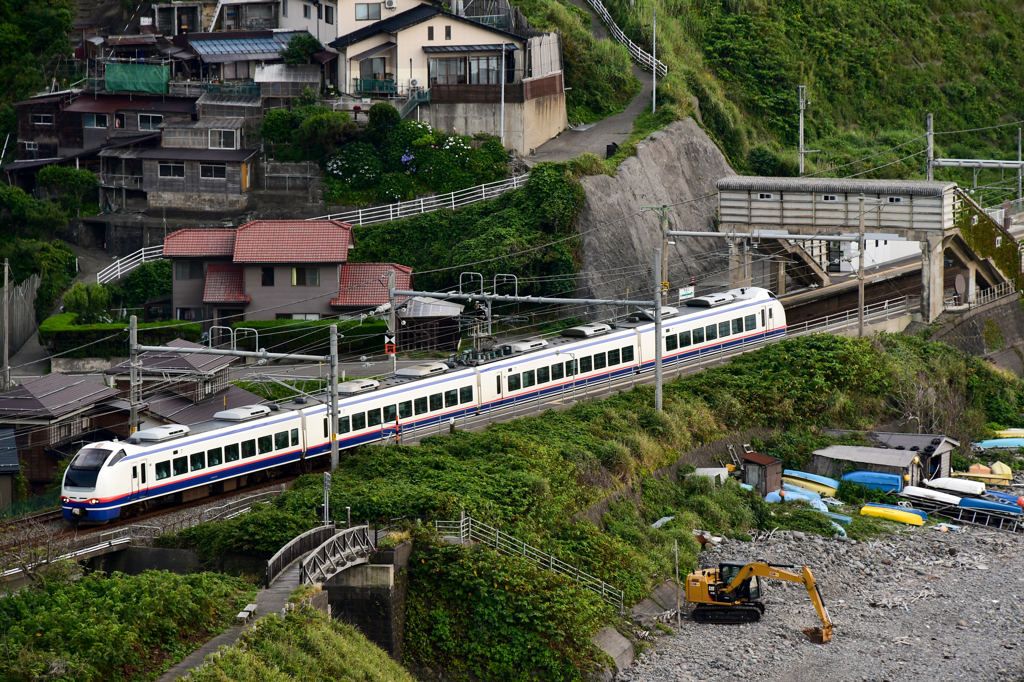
{"x":881,"y":456}
{"x":287,"y":73}
{"x":50,"y":396}
{"x":421,"y":306}
{"x":834,"y":185}
{"x":230,"y":100}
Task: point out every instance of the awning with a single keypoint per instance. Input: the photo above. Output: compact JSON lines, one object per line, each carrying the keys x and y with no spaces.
{"x":373,"y":51}
{"x":95,"y":40}
{"x":509,"y":47}
{"x":105,"y":105}
{"x":193,"y":154}
{"x":324,"y":56}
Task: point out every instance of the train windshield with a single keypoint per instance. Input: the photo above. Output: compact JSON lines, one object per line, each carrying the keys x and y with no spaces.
{"x":85,"y":468}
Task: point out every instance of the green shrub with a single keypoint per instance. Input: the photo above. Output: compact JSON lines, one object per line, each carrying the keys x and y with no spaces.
{"x":71,"y":185}
{"x":357,"y":165}
{"x":147,"y":281}
{"x":29,"y":218}
{"x":60,"y":334}
{"x":56,"y":266}
{"x":278,"y":126}
{"x":322,"y":135}
{"x":313,"y":336}
{"x":89,"y":301}
{"x":300,"y":49}
{"x":394,"y":187}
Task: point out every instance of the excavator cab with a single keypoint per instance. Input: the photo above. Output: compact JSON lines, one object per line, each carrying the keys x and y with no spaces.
{"x":749,"y":590}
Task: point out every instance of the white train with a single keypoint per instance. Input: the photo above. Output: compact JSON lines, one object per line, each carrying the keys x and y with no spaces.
{"x":177,"y":463}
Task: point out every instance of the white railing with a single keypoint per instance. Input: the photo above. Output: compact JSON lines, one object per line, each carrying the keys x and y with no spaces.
{"x":407,"y":209}
{"x":126,"y":181}
{"x":471,"y":530}
{"x":349,"y":547}
{"x":122,"y":266}
{"x":883,"y":310}
{"x":996,"y":212}
{"x":981,"y":296}
{"x":642,"y":57}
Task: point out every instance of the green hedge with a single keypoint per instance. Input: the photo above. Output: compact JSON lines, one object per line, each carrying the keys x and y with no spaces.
{"x":59,"y":334}
{"x":313,"y":337}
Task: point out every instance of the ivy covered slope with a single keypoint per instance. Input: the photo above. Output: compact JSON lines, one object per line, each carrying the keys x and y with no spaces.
{"x":873,"y":69}
{"x":112,"y":628}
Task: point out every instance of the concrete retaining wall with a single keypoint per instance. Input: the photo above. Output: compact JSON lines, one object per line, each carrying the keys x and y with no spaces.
{"x":135,"y":560}
{"x":83,"y":365}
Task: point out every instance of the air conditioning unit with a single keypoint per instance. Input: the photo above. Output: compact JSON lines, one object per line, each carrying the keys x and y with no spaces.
{"x":413,"y":82}
{"x":390,"y":4}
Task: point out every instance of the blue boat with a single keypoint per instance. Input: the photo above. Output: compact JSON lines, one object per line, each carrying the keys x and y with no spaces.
{"x":923,"y":515}
{"x":890,"y":483}
{"x":1003,"y":497}
{"x":841,"y":518}
{"x":774,"y":497}
{"x":814,"y":478}
{"x":797,"y":491}
{"x":989,"y":505}
{"x":1001,"y":443}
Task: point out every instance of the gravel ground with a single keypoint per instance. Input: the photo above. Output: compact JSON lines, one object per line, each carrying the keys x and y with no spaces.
{"x":916,"y":605}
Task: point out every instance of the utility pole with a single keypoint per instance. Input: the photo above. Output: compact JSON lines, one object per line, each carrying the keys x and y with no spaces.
{"x":802,"y":94}
{"x":1019,"y":196}
{"x":664,"y":255}
{"x":503,"y":57}
{"x":133,"y":374}
{"x":931,"y":148}
{"x":654,"y":61}
{"x":657,"y":330}
{"x":334,"y":397}
{"x":7,"y":331}
{"x":860,"y":273}
{"x":678,"y":622}
{"x":327,"y":498}
{"x":392,"y":329}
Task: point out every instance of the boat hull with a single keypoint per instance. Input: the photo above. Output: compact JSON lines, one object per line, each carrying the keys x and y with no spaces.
{"x":989,"y":505}
{"x":923,"y":515}
{"x":892,"y":515}
{"x":957,"y":485}
{"x":814,"y":478}
{"x":890,"y":483}
{"x":929,"y":494}
{"x":810,"y":485}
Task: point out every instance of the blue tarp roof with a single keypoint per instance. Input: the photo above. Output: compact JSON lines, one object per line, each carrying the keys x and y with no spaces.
{"x":243,"y":48}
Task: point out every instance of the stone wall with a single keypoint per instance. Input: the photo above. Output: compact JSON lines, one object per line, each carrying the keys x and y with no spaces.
{"x":225,"y":204}
{"x":994,"y":330}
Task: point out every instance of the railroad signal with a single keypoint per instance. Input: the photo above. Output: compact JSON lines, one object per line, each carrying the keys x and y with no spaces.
{"x":389,"y":344}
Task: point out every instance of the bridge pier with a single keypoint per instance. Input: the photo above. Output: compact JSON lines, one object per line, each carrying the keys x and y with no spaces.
{"x":932,"y":276}
{"x":740,"y":274}
{"x":372,"y":597}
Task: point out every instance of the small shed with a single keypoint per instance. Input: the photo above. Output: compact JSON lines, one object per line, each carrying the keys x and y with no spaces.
{"x":429,"y":324}
{"x":933,"y":449}
{"x":762,"y":472}
{"x":911,"y":464}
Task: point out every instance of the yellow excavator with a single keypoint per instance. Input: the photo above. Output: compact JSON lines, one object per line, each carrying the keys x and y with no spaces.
{"x":731,"y":593}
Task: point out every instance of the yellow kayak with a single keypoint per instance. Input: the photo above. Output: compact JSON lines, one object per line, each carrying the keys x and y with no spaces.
{"x":826,"y":490}
{"x":1010,"y":433}
{"x":892,"y":515}
{"x":991,"y":479}
{"x":1000,"y":469}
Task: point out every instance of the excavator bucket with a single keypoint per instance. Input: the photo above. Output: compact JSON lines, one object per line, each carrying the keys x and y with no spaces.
{"x":818,"y":635}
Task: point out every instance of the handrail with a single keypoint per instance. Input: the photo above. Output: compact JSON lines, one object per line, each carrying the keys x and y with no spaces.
{"x":848,"y":319}
{"x":982,"y":296}
{"x":349,"y":547}
{"x":415,"y":99}
{"x":298,"y":546}
{"x":406,"y":209}
{"x":122,"y":266}
{"x":472,"y":530}
{"x":635,"y":51}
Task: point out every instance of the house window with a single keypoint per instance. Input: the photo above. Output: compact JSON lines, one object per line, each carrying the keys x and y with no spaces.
{"x":765,"y":197}
{"x":430,"y":32}
{"x":172,"y":170}
{"x":267,"y":277}
{"x":307,"y":11}
{"x":830,"y":198}
{"x":42,"y":119}
{"x":32,"y":146}
{"x":484,"y":70}
{"x":284,"y":8}
{"x":895,"y":200}
{"x":447,"y":32}
{"x":448,"y":71}
{"x":329,"y":14}
{"x":305,"y":277}
{"x":213,"y":172}
{"x":94,"y":120}
{"x":372,"y":68}
{"x":119,"y":121}
{"x":319,"y":11}
{"x":188,"y":269}
{"x":222,"y":139}
{"x":189,"y":314}
{"x":150,"y":121}
{"x":367,"y":11}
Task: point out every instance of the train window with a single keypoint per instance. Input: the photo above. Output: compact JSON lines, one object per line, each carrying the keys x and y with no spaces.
{"x":343,"y":425}
{"x":711,"y":332}
{"x":514,"y":383}
{"x":295,"y":436}
{"x":627,"y":354}
{"x":231,"y":453}
{"x":737,"y":325}
{"x":763,"y":323}
{"x":599,"y":361}
{"x":214,"y":457}
{"x":557,"y":372}
{"x":163,"y":470}
{"x":390,"y":413}
{"x":671,"y":342}
{"x":359,"y":421}
{"x":180,"y":465}
{"x":143,"y":474}
{"x":751,"y":322}
{"x":265,"y":444}
{"x":698,"y":335}
{"x":198,"y":461}
{"x":571,"y":368}
{"x":435,"y":402}
{"x":684,"y":339}
{"x":326,"y":428}
{"x":723,"y":329}
{"x":769,"y":313}
{"x":529,"y":379}
{"x":613,"y":357}
{"x":373,"y":417}
{"x":466,"y":394}
{"x":135,"y":472}
{"x":248,"y":449}
{"x":116,"y":458}
{"x":586,"y":365}
{"x":421,"y":405}
{"x":281,"y":440}
{"x":451,"y":398}
{"x":498,"y":389}
{"x":405,"y":409}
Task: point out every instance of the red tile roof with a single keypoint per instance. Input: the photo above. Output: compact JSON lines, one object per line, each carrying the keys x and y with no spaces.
{"x":224,"y":284}
{"x":293,"y":241}
{"x":194,"y":243}
{"x":366,"y":284}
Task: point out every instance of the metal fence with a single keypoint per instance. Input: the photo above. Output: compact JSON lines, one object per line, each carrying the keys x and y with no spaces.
{"x":981,"y":296}
{"x":883,"y":310}
{"x":642,"y":57}
{"x":347,"y":548}
{"x":996,"y":212}
{"x":406,"y":209}
{"x":469,"y":529}
{"x":300,"y":544}
{"x":224,"y":512}
{"x":122,"y":266}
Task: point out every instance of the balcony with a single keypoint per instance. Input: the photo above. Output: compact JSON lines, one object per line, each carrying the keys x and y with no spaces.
{"x":120,"y":181}
{"x":368,"y":86}
{"x":235,"y":89}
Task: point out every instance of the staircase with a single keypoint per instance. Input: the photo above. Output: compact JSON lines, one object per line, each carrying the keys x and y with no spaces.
{"x":417,"y":98}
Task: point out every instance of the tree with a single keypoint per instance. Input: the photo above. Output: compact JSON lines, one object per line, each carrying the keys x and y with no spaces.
{"x":300,"y":49}
{"x":89,"y":301}
{"x":278,"y":126}
{"x":70,"y":184}
{"x":322,"y":135}
{"x":29,"y":217}
{"x":382,"y":119}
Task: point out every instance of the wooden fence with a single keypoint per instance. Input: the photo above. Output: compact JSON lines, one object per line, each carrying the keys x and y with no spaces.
{"x":22,"y":313}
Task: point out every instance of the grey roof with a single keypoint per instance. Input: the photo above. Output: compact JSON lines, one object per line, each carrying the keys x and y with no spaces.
{"x":509,"y":47}
{"x":421,"y":306}
{"x":365,"y":54}
{"x":881,"y":456}
{"x":403,"y":20}
{"x":838,"y":185}
{"x":157,"y":362}
{"x":8,"y":453}
{"x":192,"y":154}
{"x":208,"y":123}
{"x":894,"y":439}
{"x":181,"y":410}
{"x":52,"y":396}
{"x":230,"y":100}
{"x":287,"y":73}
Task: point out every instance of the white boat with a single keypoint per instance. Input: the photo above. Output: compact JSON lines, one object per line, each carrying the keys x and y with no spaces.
{"x":957,"y":485}
{"x":929,"y":494}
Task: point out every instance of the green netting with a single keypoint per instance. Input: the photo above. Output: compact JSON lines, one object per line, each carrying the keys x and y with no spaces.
{"x":138,"y":78}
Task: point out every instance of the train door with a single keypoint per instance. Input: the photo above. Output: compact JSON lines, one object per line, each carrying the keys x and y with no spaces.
{"x":479,"y":389}
{"x":138,"y":485}
{"x":302,"y":434}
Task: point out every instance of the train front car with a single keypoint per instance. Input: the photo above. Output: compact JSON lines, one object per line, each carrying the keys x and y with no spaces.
{"x":94,"y":487}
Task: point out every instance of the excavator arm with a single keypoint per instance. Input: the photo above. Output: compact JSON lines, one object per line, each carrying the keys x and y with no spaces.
{"x":763,"y":570}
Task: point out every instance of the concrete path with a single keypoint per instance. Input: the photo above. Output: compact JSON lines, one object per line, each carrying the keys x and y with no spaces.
{"x":270,"y":600}
{"x":612,"y":130}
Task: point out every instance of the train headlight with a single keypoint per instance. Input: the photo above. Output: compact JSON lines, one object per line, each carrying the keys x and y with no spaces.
{"x":94,"y":501}
{"x":65,"y":500}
